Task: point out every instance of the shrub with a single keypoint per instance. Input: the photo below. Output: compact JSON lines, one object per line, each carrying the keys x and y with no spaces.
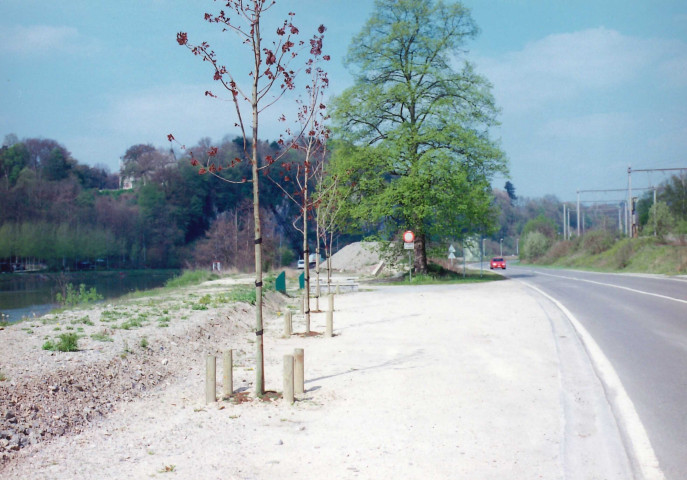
{"x":67,"y":342}
{"x":559,"y":250}
{"x":623,"y":254}
{"x":535,"y":246}
{"x":661,"y":221}
{"x":597,"y":241}
{"x":71,"y":297}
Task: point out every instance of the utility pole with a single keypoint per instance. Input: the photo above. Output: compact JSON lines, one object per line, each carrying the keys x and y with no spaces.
{"x":565,"y":223}
{"x":578,"y":213}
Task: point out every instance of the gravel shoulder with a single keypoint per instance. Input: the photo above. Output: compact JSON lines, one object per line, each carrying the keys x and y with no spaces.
{"x":418,"y":382}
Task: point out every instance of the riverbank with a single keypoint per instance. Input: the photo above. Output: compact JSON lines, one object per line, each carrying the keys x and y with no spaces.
{"x":418,"y":382}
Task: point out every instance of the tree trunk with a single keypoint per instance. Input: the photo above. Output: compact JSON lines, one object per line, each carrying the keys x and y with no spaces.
{"x":306,"y":256}
{"x":259,"y":359}
{"x":420,"y":262}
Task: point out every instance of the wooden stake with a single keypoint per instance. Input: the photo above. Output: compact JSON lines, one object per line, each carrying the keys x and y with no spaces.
{"x":299,"y":371}
{"x":288,"y":323}
{"x":228,"y":372}
{"x":210,"y":379}
{"x":288,"y":378}
{"x":331,"y":302}
{"x":329,"y":330}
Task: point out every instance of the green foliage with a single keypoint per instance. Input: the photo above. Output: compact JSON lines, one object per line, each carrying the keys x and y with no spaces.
{"x":541,"y":224}
{"x":102,"y":337}
{"x":85,"y":320}
{"x":144,"y":342}
{"x":66,"y":342}
{"x":415,"y":152}
{"x":135,"y":322}
{"x":190,"y":278}
{"x":661,"y":221}
{"x":72,"y":297}
{"x":242,"y":294}
{"x":597,"y":241}
{"x":535,"y":245}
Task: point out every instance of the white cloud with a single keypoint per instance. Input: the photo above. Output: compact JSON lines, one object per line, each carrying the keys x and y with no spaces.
{"x":42,"y":39}
{"x":565,"y":66}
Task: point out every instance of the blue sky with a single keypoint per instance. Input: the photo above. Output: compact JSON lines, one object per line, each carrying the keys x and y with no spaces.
{"x":586,"y":88}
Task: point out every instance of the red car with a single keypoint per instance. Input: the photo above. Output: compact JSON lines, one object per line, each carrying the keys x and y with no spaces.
{"x":497,"y":262}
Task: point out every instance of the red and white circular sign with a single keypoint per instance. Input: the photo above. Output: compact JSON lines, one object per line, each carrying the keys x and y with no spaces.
{"x":408,"y":236}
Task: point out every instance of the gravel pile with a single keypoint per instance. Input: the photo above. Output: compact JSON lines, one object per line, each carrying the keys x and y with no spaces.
{"x":356,"y":257}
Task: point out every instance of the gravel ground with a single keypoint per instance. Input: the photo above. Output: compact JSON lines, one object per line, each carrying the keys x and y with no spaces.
{"x":418,"y":382}
{"x":128,"y":350}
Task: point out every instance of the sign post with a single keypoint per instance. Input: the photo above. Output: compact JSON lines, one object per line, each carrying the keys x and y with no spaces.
{"x":451,"y":255}
{"x":409,"y":244}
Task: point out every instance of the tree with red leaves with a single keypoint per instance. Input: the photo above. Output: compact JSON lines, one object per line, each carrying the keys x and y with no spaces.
{"x":311,"y":142}
{"x":271,"y":76}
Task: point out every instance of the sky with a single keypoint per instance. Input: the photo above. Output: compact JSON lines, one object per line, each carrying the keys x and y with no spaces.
{"x":586,"y":88}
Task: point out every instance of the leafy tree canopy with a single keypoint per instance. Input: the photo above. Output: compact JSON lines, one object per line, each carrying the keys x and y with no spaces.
{"x":416,"y":123}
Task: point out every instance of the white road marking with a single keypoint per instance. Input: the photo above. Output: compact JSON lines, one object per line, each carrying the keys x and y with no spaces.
{"x":639,"y":445}
{"x":665,"y":297}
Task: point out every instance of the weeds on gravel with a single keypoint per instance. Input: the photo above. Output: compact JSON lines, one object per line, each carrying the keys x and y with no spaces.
{"x":85,"y":320}
{"x":143,"y":343}
{"x":102,"y":337}
{"x":66,"y":342}
{"x":136,"y":322}
{"x":167,"y":469}
{"x":243,"y":294}
{"x":3,"y":377}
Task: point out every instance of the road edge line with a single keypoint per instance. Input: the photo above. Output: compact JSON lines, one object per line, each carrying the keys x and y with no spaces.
{"x":641,"y":452}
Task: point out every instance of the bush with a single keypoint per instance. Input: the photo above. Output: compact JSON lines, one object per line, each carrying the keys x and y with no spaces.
{"x":597,"y":241}
{"x":70,"y":297}
{"x":67,"y":342}
{"x":559,"y":250}
{"x":623,"y":254}
{"x":661,"y":221}
{"x":535,"y":246}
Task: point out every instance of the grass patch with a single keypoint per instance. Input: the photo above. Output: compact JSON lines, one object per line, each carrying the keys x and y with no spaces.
{"x":136,"y":322}
{"x":111,"y":315}
{"x":66,"y":342}
{"x":190,"y":278}
{"x":102,"y":337}
{"x":437,"y":275}
{"x":85,"y":320}
{"x":245,"y":294}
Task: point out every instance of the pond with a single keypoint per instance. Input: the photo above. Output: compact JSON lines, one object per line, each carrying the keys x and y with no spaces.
{"x":29,"y":294}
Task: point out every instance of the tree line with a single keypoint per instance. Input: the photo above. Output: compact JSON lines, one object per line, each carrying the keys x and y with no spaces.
{"x":61,"y":214}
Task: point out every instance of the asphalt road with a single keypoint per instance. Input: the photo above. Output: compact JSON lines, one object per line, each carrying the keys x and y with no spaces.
{"x":640,"y":324}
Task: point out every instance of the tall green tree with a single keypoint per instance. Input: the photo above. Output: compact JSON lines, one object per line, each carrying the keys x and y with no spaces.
{"x":417,"y":120}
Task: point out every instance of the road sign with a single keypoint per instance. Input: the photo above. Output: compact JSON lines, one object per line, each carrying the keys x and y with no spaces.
{"x":451,"y":256}
{"x":451,"y":249}
{"x":408,"y":236}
